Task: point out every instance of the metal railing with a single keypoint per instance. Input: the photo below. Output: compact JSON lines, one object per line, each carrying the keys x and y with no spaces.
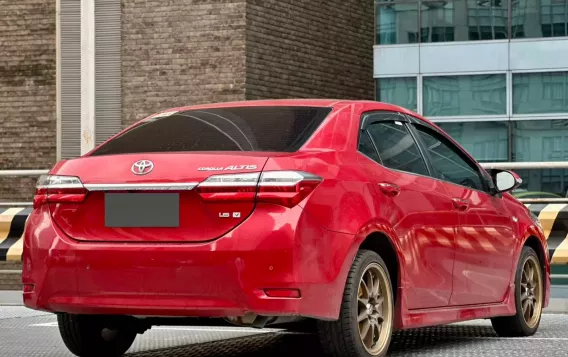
{"x":15,"y":173}
{"x":19,"y":173}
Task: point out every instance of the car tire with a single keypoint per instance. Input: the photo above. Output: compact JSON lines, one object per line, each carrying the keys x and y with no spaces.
{"x":529,"y":297}
{"x":343,"y":337}
{"x":87,"y":336}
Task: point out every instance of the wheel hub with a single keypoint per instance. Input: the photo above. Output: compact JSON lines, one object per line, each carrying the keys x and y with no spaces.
{"x":374,"y":309}
{"x":531,"y":292}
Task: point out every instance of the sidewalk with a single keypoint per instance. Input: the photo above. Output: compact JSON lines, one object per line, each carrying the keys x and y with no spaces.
{"x":8,"y":298}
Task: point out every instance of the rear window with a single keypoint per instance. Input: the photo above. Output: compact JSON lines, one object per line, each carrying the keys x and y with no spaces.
{"x":280,"y":129}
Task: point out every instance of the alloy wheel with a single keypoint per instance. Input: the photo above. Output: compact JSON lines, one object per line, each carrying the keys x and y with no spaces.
{"x":531,"y":292}
{"x":374,"y":309}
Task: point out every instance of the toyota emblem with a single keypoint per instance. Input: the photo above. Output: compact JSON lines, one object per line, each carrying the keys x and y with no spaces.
{"x":142,"y":167}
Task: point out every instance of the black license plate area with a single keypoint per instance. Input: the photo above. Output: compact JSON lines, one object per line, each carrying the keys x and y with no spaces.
{"x":137,"y":210}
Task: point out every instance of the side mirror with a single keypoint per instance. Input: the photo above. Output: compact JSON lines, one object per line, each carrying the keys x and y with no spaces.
{"x":505,"y":180}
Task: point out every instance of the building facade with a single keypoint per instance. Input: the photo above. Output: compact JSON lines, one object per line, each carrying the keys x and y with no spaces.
{"x":74,"y":72}
{"x":491,"y":73}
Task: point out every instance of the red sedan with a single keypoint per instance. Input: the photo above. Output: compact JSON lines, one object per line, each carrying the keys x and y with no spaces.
{"x":361,"y":216}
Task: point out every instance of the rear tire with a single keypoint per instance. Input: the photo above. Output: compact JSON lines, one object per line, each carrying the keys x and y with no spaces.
{"x":529,"y":293}
{"x":366,"y":318}
{"x":87,"y":336}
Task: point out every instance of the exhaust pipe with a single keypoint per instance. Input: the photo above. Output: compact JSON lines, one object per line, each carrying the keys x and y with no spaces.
{"x":257,"y":321}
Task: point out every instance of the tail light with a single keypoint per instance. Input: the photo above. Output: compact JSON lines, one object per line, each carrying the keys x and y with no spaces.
{"x":286,"y":188}
{"x":59,"y":189}
{"x":233,"y":187}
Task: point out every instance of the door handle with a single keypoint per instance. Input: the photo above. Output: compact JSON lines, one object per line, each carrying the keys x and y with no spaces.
{"x":389,"y":189}
{"x":460,"y":203}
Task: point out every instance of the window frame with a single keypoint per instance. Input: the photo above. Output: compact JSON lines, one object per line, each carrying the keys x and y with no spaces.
{"x":488,"y":186}
{"x":369,"y":118}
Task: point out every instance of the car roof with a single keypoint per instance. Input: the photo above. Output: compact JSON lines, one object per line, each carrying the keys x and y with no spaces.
{"x":294,"y":102}
{"x":308,"y":102}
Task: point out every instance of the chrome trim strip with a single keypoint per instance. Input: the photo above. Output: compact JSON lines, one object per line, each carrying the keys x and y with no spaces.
{"x":61,"y":186}
{"x":184,"y":186}
{"x":228,"y":184}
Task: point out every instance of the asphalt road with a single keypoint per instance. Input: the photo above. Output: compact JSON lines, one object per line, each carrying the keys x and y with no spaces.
{"x":30,"y":333}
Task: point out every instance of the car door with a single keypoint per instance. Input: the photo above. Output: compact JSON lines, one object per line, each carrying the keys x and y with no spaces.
{"x":414,"y":204}
{"x":485,"y":239}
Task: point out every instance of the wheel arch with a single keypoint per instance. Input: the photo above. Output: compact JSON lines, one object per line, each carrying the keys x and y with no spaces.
{"x":536,"y":244}
{"x":380,"y":243}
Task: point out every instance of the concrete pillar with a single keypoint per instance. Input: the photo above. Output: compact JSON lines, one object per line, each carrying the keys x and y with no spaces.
{"x":87,"y":75}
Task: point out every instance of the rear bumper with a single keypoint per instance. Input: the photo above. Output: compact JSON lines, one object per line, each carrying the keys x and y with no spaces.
{"x":227,"y":277}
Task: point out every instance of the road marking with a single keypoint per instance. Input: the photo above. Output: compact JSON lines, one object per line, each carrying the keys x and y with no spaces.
{"x":235,"y":329}
{"x":517,"y":338}
{"x":48,"y":324}
{"x":205,"y":329}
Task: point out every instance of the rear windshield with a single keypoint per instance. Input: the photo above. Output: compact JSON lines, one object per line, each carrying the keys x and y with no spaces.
{"x":280,"y":129}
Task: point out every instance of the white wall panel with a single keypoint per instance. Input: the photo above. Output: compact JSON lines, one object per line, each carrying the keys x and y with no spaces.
{"x":539,"y":54}
{"x":463,"y":57}
{"x":396,"y":60}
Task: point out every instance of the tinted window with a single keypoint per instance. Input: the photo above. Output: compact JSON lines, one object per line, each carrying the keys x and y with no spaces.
{"x":447,"y":162}
{"x":282,"y":129}
{"x":397,"y":149}
{"x":367,"y":148}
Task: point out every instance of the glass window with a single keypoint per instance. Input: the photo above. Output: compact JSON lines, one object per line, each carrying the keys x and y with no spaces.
{"x":463,"y":20}
{"x":367,"y":148}
{"x":488,"y":19}
{"x":465,"y":95}
{"x":448,"y":161}
{"x":542,"y":183}
{"x":398,"y":91}
{"x":283,"y":129}
{"x":542,"y":140}
{"x":443,"y":21}
{"x":396,"y":22}
{"x":397,"y":149}
{"x":485,"y":141}
{"x":540,"y":93}
{"x":539,"y":18}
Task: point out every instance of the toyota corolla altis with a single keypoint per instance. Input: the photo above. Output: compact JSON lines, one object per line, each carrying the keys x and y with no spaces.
{"x":361,"y":216}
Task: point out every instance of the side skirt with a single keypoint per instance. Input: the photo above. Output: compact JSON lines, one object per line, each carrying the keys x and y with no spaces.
{"x":445,"y":315}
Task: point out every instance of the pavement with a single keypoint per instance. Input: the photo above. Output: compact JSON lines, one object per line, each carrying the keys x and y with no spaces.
{"x":25,"y":332}
{"x":31,"y":333}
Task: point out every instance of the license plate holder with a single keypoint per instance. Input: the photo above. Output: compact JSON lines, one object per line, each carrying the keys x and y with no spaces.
{"x":141,"y":210}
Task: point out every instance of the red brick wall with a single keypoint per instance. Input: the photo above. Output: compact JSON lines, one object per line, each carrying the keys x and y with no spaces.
{"x":27,"y":92}
{"x":316,"y":48}
{"x":181,"y":53}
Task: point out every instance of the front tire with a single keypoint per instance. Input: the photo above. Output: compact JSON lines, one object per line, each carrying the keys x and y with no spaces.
{"x":366,"y":318}
{"x":529,"y":297}
{"x":88,"y":336}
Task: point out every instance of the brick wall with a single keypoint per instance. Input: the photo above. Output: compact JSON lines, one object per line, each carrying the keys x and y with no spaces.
{"x":316,"y":48}
{"x":27,"y":92}
{"x":181,"y":53}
